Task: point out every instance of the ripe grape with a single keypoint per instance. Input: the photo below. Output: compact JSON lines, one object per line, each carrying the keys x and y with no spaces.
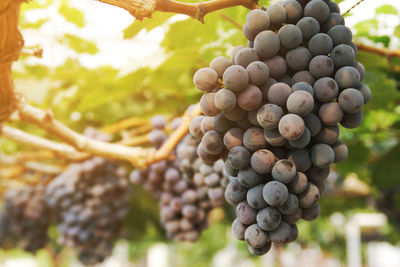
{"x":291,"y":126}
{"x":303,"y":76}
{"x":258,"y":73}
{"x":268,"y":116}
{"x":257,"y":20}
{"x":250,"y":98}
{"x":300,"y":103}
{"x":239,"y":157}
{"x":330,"y":113}
{"x":301,"y":159}
{"x":303,"y":141}
{"x":265,"y":87}
{"x":277,"y":14}
{"x":322,"y":155}
{"x":235,"y":78}
{"x":343,"y":55}
{"x":245,"y":56}
{"x":328,"y":134}
{"x":333,"y":20}
{"x":236,"y":114}
{"x":277,"y":66}
{"x":333,"y":7}
{"x":298,"y":59}
{"x":260,"y":251}
{"x":341,"y":151}
{"x":266,"y":44}
{"x":235,"y":191}
{"x":340,"y":34}
{"x":262,"y":161}
{"x":220,"y":64}
{"x":290,"y":36}
{"x":253,"y":139}
{"x":303,"y":86}
{"x":255,"y":236}
{"x":317,"y":9}
{"x":347,"y":77}
{"x":284,"y":171}
{"x":195,"y":127}
{"x":212,"y":143}
{"x":233,"y":137}
{"x":351,"y":100}
{"x":225,"y":100}
{"x":293,"y":217}
{"x":282,"y":234}
{"x":360,"y":68}
{"x":299,"y":183}
{"x":326,"y":89}
{"x":207,"y":105}
{"x":278,"y":94}
{"x":352,"y":120}
{"x":206,"y":79}
{"x":221,"y":124}
{"x":290,"y":206}
{"x":309,"y":27}
{"x":321,"y":66}
{"x":274,"y":138}
{"x":320,"y":44}
{"x":309,"y":197}
{"x":268,"y":218}
{"x":255,"y":197}
{"x":249,"y":178}
{"x":311,"y":213}
{"x":245,"y":214}
{"x":313,"y":124}
{"x":366,"y":92}
{"x":294,"y":11}
{"x":234,"y":51}
{"x":158,"y":122}
{"x":275,"y":193}
{"x":238,"y":229}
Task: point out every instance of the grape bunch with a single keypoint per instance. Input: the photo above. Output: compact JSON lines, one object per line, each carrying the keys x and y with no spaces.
{"x":25,"y":218}
{"x":273,"y":110}
{"x":90,"y":201}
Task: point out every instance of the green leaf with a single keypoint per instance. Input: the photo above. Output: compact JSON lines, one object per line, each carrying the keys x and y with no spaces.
{"x":364,"y":28}
{"x":397,"y":31}
{"x":148,"y":24}
{"x":386,"y":9}
{"x":35,"y":25}
{"x":80,"y":45}
{"x":72,"y":14}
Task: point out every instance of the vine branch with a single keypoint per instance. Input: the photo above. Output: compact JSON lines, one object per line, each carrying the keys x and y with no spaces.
{"x":145,"y":8}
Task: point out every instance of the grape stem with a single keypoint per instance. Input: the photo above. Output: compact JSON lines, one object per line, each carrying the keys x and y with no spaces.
{"x":125,"y":124}
{"x":145,"y":8}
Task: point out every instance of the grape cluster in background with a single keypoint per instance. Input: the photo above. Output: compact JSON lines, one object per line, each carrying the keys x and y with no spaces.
{"x":273,"y":110}
{"x":186,"y":187}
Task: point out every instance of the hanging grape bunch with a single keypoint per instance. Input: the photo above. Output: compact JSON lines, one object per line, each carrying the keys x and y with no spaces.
{"x":273,"y":110}
{"x":185,"y":198}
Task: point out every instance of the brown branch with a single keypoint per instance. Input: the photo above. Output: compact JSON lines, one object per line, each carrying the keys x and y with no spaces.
{"x":33,"y":52}
{"x":232,"y":21}
{"x":125,"y":124}
{"x":25,"y":156}
{"x":145,"y":8}
{"x":379,"y":51}
{"x":351,"y":8}
{"x":135,"y":141}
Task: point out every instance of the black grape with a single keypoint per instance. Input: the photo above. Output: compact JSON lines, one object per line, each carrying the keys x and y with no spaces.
{"x":366,"y":92}
{"x":249,"y":178}
{"x":317,"y":9}
{"x":309,"y":197}
{"x":294,"y":11}
{"x":236,"y":114}
{"x":274,"y":138}
{"x":303,"y":86}
{"x":322,"y":155}
{"x":311,"y":213}
{"x":301,"y":159}
{"x":333,"y":20}
{"x":313,"y":124}
{"x":343,"y":55}
{"x":221,"y":124}
{"x":290,"y":206}
{"x":340,"y":34}
{"x":330,"y":113}
{"x":351,"y":100}
{"x":282,"y":234}
{"x":347,"y":77}
{"x":328,"y":134}
{"x":341,"y":151}
{"x":260,"y":251}
{"x":352,"y":120}
{"x":303,"y":141}
{"x":235,"y":191}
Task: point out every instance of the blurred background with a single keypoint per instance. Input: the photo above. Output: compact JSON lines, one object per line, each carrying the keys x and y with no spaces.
{"x":99,"y":66}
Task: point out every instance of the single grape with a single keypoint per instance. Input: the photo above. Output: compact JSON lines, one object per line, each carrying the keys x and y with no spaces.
{"x":303,"y":141}
{"x":257,"y":20}
{"x":320,"y":44}
{"x":286,"y":79}
{"x":233,"y":137}
{"x":277,"y":66}
{"x":268,"y":116}
{"x":301,"y":159}
{"x":265,"y":87}
{"x":313,"y":124}
{"x":317,"y":9}
{"x":236,"y":114}
{"x":255,"y":197}
{"x":309,"y":197}
{"x":235,"y":78}
{"x":290,"y":206}
{"x":341,"y":151}
{"x":249,"y":178}
{"x":221,"y":124}
{"x":220,"y":64}
{"x":195,"y":127}
{"x":207,"y":105}
{"x":158,"y":122}
{"x":326,"y":89}
{"x":275,"y":193}
{"x":303,"y":86}
{"x":225,"y":100}
{"x":360,"y":67}
{"x":333,"y":7}
{"x":266,"y":44}
{"x":268,"y":218}
{"x":340,"y":34}
{"x":352,"y":120}
{"x":321,"y":66}
{"x":322,"y":155}
{"x":347,"y":77}
{"x":262,"y":161}
{"x":299,"y":183}
{"x":258,"y":73}
{"x":274,"y":138}
{"x":282,"y":234}
{"x":235,"y":191}
{"x":332,"y":20}
{"x":238,"y":229}
{"x":245,"y":214}
{"x":309,"y":27}
{"x":234,"y":51}
{"x":294,"y":11}
{"x":291,"y":126}
{"x":343,"y":55}
{"x":207,"y":124}
{"x":250,"y":98}
{"x":260,"y":251}
{"x":212,"y":143}
{"x":351,"y":100}
{"x":277,"y":14}
{"x":298,"y":59}
{"x":300,"y":103}
{"x":206,"y":79}
{"x":245,"y":56}
{"x":278,"y":94}
{"x":328,"y":134}
{"x":239,"y":157}
{"x":315,"y":174}
{"x":252,"y":117}
{"x":311,"y":213}
{"x":290,"y":36}
{"x":366,"y":92}
{"x":330,"y":113}
{"x":253,"y":139}
{"x":284,"y":171}
{"x":303,"y":76}
{"x":292,"y":218}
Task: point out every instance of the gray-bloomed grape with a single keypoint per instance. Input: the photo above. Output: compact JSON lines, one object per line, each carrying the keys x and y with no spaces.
{"x":321,"y":187}
{"x":245,"y":214}
{"x":361,"y":69}
{"x":274,"y":138}
{"x":351,"y":100}
{"x":207,"y":105}
{"x":229,"y":170}
{"x":239,"y":157}
{"x":352,"y":120}
{"x":244,"y":123}
{"x":303,"y":141}
{"x":249,"y":178}
{"x":301,"y":159}
{"x":220,"y":64}
{"x":268,"y":116}
{"x":235,"y":78}
{"x":366,"y":92}
{"x":311,"y":213}
{"x":341,"y":151}
{"x":317,"y":9}
{"x":340,"y":34}
{"x":321,"y":66}
{"x":333,"y":7}
{"x":322,"y":155}
{"x":294,"y":232}
{"x":206,"y":79}
{"x":284,"y":171}
{"x":265,"y":87}
{"x":282,"y":234}
{"x":253,"y":139}
{"x":286,"y":79}
{"x":195,"y":127}
{"x":303,"y":86}
{"x":333,"y":20}
{"x":234,"y":51}
{"x":233,"y":137}
{"x":343,"y":55}
{"x":255,"y":236}
{"x":268,"y":218}
{"x":235,"y":191}
{"x":278,"y":94}
{"x":309,"y":197}
{"x":326,"y":89}
{"x":277,"y":14}
{"x":309,"y":27}
{"x":290,"y":206}
{"x":158,"y":122}
{"x":252,"y":117}
{"x":298,"y":59}
{"x":266,"y":44}
{"x":293,"y":217}
{"x":250,"y":98}
{"x":300,"y":103}
{"x":330,"y":113}
{"x":207,"y":124}
{"x":207,"y":157}
{"x":313,"y":124}
{"x":299,"y":183}
{"x":236,"y":114}
{"x":294,"y":11}
{"x":291,"y":126}
{"x":245,"y":56}
{"x":257,"y":20}
{"x":328,"y":134}
{"x":290,"y":36}
{"x":212,"y":143}
{"x":320,"y":44}
{"x":277,"y":66}
{"x":347,"y":77}
{"x":255,"y":197}
{"x":238,"y":229}
{"x":275,"y":193}
{"x":262,"y":161}
{"x":303,"y":76}
{"x":221,"y":124}
{"x":355,"y":48}
{"x":225,"y":100}
{"x":258,"y":73}
{"x":260,"y":251}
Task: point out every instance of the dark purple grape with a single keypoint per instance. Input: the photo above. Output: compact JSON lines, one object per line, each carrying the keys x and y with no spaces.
{"x":311,"y":213}
{"x":298,"y":59}
{"x":321,"y":66}
{"x":239,"y":157}
{"x":294,"y":11}
{"x":348,"y":77}
{"x":274,"y":138}
{"x":233,"y":137}
{"x":221,"y":124}
{"x":253,"y":139}
{"x":249,"y":178}
{"x":301,"y":159}
{"x":320,"y":44}
{"x":158,"y":122}
{"x":290,"y":206}
{"x":309,"y":197}
{"x":341,"y":151}
{"x":255,"y":197}
{"x":313,"y":124}
{"x":340,"y":34}
{"x":300,"y":103}
{"x":277,"y":66}
{"x":212,"y":143}
{"x":235,"y":191}
{"x":255,"y":236}
{"x":234,"y":51}
{"x":290,"y":36}
{"x":195,"y":127}
{"x":275,"y":193}
{"x":352,"y":120}
{"x":268,"y":218}
{"x":330,"y":113}
{"x":245,"y":56}
{"x":207,"y":124}
{"x":257,"y":20}
{"x":317,"y":9}
{"x":238,"y":229}
{"x":318,"y":174}
{"x":278,"y":94}
{"x":366,"y":92}
{"x":303,"y":86}
{"x":299,"y":183}
{"x":260,"y":251}
{"x":294,"y":217}
{"x":284,"y":171}
{"x":303,"y":76}
{"x":258,"y":73}
{"x":309,"y":27}
{"x":328,"y":134}
{"x":322,"y":155}
{"x":245,"y":214}
{"x":277,"y":14}
{"x":326,"y":89}
{"x":351,"y":100}
{"x":303,"y":141}
{"x":266,"y":44}
{"x":333,"y":20}
{"x":343,"y":55}
{"x":236,"y":114}
{"x":282,"y":234}
{"x":268,"y":116}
